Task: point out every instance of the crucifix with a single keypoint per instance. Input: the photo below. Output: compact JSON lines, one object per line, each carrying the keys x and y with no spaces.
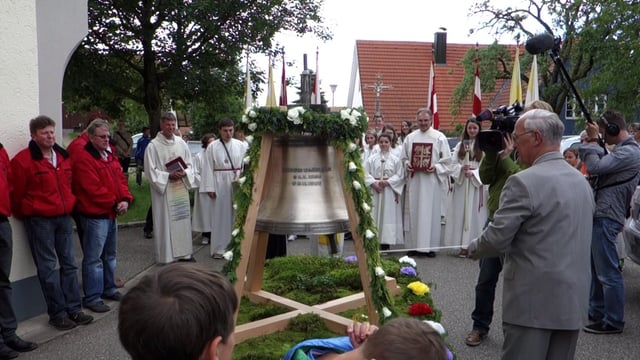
{"x":378,"y":87}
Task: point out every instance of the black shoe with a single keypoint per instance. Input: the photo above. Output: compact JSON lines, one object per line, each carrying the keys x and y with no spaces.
{"x":116,"y":296}
{"x":98,"y":307}
{"x":384,"y":247}
{"x":81,"y":318}
{"x":20,"y":345}
{"x":430,"y":254}
{"x":191,"y":259}
{"x":148,"y":234}
{"x":62,"y":323}
{"x":601,"y":328}
{"x":7,"y":353}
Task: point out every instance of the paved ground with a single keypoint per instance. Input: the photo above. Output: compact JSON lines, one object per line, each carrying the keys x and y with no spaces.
{"x":452,"y":283}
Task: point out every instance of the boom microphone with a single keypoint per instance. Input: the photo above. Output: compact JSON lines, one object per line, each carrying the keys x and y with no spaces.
{"x":539,"y":44}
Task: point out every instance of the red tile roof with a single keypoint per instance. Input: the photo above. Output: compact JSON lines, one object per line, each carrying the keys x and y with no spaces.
{"x":404,"y":66}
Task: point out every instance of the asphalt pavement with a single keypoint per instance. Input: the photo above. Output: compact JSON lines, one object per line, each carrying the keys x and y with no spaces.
{"x":451,"y":279}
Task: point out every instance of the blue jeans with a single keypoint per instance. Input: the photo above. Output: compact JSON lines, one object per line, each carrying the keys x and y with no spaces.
{"x":606,"y":301}
{"x":482,"y":314}
{"x":50,"y":240}
{"x":99,"y":244}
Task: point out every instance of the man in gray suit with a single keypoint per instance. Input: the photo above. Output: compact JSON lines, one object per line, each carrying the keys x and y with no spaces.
{"x":543,"y":228}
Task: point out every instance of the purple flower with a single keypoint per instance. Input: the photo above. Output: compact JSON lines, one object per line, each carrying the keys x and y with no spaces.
{"x":351,"y":259}
{"x":409,"y":271}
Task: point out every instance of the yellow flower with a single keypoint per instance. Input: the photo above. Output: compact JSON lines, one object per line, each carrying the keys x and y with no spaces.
{"x":419,"y":288}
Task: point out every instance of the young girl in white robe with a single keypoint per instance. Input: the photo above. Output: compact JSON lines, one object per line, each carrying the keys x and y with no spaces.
{"x":467,"y":211}
{"x":384,"y":177}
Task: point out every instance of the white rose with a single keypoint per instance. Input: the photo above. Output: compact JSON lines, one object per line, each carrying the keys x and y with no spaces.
{"x":407,"y":260}
{"x":355,"y":113}
{"x":436,"y":326}
{"x":246,"y":160}
{"x":252,"y":114}
{"x":292,"y":114}
{"x":356,"y":185}
{"x":228,"y":255}
{"x":352,"y":147}
{"x":253,"y":126}
{"x":344,"y":114}
{"x":235,"y":232}
{"x":249,"y":138}
{"x":353,"y":121}
{"x":366,"y":207}
{"x":386,"y":312}
{"x":300,"y":110}
{"x":235,"y":206}
{"x":379,"y":271}
{"x":245,"y":119}
{"x":352,"y":166}
{"x":242,"y":180}
{"x":369,"y":234}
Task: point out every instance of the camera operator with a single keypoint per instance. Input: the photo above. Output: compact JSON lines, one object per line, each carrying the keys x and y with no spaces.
{"x":617,"y":174}
{"x":495,"y":168}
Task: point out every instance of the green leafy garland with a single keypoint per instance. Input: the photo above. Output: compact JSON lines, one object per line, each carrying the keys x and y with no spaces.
{"x":340,"y":129}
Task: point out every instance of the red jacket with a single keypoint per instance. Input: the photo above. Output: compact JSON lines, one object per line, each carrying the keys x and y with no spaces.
{"x":99,"y":184}
{"x":39,"y":189}
{"x":5,"y":183}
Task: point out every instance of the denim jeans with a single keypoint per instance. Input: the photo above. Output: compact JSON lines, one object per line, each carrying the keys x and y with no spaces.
{"x":99,"y":262}
{"x":482,"y":314}
{"x":8,"y":322}
{"x":50,"y":240}
{"x":606,"y":301}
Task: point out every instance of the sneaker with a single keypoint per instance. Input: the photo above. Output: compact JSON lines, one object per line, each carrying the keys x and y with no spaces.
{"x":116,"y":296}
{"x":7,"y":353}
{"x":98,"y":307}
{"x":464,"y":253}
{"x":292,"y":237}
{"x":601,"y":328}
{"x":205,"y":241}
{"x":17,"y":344}
{"x":475,"y":338}
{"x":81,"y":318}
{"x":217,"y":256}
{"x":62,"y":323}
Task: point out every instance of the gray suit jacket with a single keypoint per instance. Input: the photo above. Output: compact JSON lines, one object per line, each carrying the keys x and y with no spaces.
{"x":543,"y":227}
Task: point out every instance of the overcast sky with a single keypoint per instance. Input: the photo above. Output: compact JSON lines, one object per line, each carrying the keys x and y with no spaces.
{"x":351,"y":20}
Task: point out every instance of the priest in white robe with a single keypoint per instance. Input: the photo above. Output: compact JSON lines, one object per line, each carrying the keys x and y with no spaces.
{"x":467,"y":210}
{"x":170,"y":192}
{"x":427,"y":158}
{"x":384,"y":177}
{"x":222,"y":166}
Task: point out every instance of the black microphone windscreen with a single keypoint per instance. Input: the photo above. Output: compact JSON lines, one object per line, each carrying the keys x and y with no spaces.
{"x":539,"y":44}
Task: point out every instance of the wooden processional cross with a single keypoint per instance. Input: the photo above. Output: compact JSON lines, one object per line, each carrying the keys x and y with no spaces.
{"x":250,"y":271}
{"x":378,"y":87}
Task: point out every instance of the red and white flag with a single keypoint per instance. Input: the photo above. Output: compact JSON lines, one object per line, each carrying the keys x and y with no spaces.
{"x":477,"y":95}
{"x":433,"y":98}
{"x":283,"y":85}
{"x":315,"y":89}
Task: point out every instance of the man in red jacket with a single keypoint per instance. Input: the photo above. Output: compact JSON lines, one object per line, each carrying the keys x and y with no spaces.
{"x":42,"y":198}
{"x":9,"y":341}
{"x":102,"y":193}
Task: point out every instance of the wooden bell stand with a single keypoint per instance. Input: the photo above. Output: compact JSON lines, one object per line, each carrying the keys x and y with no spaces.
{"x":250,"y":270}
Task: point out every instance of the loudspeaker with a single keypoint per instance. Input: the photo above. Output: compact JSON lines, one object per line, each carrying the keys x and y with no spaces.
{"x":440,"y":48}
{"x":610,"y":129}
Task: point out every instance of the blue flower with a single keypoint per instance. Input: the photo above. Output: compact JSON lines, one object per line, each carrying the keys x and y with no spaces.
{"x":409,"y":271}
{"x":351,"y":259}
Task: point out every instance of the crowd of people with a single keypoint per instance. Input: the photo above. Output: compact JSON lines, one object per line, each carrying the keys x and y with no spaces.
{"x":550,"y":220}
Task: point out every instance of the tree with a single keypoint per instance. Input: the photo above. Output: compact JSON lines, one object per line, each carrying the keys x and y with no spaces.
{"x":187,"y":50}
{"x":578,"y":23}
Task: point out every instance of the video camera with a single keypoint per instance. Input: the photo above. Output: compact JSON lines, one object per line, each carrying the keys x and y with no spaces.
{"x":503,"y":121}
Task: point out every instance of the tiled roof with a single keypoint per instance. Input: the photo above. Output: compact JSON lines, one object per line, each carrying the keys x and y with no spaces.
{"x":404,"y":66}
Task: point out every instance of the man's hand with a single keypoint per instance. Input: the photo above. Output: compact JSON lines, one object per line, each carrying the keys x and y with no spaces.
{"x":359,"y":332}
{"x":177,"y":174}
{"x":212,"y":194}
{"x":592,"y":130}
{"x":122,"y":207}
{"x":507,"y":143}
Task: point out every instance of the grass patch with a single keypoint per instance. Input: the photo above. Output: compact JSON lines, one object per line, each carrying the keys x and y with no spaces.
{"x":313,"y":280}
{"x":141,"y":201}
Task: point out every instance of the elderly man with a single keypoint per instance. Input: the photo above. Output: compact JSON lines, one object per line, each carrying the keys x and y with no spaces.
{"x":167,"y":163}
{"x":427,"y":158}
{"x":542,"y":227}
{"x":617,"y":174}
{"x":102,"y":193}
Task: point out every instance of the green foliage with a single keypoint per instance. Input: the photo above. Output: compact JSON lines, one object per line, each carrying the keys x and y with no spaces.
{"x":141,"y":200}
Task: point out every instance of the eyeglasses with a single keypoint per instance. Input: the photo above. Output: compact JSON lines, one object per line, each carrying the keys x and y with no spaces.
{"x":516,"y":136}
{"x":103,"y":137}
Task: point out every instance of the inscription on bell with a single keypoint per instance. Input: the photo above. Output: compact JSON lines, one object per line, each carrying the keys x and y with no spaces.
{"x":307,"y":176}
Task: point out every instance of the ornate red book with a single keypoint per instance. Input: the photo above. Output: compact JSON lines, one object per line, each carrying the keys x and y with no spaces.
{"x":421,"y":156}
{"x":176,"y":164}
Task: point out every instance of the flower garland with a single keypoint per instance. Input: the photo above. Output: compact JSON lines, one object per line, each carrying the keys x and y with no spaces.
{"x":340,"y":129}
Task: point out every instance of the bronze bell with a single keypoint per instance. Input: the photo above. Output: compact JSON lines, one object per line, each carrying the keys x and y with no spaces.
{"x":302,"y":191}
